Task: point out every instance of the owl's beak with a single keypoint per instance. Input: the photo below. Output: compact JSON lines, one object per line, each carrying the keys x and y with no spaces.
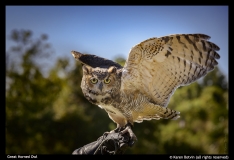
{"x":100,"y":86}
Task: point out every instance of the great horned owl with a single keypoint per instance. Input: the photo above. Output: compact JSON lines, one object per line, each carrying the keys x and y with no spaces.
{"x":155,"y":68}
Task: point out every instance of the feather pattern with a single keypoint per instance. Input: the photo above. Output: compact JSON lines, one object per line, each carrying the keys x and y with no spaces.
{"x":158,"y":66}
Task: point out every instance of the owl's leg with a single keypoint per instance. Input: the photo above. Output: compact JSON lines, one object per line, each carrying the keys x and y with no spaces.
{"x":128,"y":128}
{"x":117,"y":129}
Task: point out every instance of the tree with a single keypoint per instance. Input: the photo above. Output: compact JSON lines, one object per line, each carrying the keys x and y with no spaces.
{"x":46,"y":113}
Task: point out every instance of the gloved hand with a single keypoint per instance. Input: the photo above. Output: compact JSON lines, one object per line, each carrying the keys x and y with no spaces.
{"x":110,"y":143}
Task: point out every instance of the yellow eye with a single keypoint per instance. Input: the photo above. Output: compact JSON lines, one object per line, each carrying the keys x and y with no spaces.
{"x":93,"y":80}
{"x":107,"y":80}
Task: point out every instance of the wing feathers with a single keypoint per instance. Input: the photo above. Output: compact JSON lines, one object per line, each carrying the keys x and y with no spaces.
{"x":158,"y":66}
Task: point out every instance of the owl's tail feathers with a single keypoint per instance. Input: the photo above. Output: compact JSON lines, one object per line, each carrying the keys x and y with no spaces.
{"x":171,"y":114}
{"x":166,"y":113}
{"x":152,"y":111}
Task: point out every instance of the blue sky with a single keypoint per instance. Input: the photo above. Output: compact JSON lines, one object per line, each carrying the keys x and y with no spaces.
{"x":111,"y":31}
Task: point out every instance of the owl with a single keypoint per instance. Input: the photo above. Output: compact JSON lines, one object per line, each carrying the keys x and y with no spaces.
{"x":154,"y":69}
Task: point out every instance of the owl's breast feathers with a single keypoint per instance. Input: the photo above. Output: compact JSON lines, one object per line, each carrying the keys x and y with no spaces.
{"x":115,"y":114}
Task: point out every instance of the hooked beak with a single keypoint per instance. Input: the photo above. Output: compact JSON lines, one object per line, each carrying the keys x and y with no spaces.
{"x":100,"y":86}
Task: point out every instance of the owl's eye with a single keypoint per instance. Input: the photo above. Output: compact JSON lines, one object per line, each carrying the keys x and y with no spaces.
{"x":93,"y":80}
{"x":107,"y":81}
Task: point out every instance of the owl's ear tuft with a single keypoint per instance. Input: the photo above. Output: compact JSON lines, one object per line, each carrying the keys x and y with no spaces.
{"x":112,"y":69}
{"x":87,"y":69}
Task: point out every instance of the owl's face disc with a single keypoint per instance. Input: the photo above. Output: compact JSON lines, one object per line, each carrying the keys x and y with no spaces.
{"x":99,"y":84}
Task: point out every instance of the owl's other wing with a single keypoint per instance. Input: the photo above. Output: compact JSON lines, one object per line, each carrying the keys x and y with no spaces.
{"x":157,"y":66}
{"x":94,"y":61}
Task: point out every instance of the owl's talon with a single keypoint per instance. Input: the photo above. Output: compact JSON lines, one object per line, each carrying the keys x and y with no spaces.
{"x":131,"y":134}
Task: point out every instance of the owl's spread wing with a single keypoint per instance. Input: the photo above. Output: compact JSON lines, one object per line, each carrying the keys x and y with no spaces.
{"x":157,"y":66}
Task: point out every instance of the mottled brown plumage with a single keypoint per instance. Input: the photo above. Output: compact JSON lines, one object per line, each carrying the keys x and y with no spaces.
{"x":141,"y":90}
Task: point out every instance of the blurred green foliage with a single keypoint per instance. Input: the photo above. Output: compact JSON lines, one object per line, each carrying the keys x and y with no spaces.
{"x":49,"y":114}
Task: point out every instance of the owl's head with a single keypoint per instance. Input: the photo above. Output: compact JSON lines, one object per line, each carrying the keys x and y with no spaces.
{"x":98,"y":82}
